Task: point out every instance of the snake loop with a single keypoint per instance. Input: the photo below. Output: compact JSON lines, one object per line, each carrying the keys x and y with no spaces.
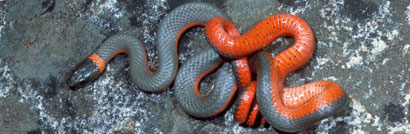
{"x":289,"y":109}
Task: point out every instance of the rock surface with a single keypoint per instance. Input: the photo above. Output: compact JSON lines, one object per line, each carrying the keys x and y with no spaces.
{"x":363,"y":45}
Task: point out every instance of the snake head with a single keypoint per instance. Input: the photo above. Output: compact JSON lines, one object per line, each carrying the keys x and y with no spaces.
{"x":84,"y":73}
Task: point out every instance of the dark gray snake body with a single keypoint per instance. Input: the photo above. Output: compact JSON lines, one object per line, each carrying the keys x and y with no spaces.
{"x":170,"y":29}
{"x":166,"y":37}
{"x":187,"y":82}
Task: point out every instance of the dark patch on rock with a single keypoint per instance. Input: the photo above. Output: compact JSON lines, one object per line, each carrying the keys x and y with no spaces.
{"x":133,"y":5}
{"x":341,"y":128}
{"x":286,"y":2}
{"x":292,"y":3}
{"x":136,"y":8}
{"x":408,"y":114}
{"x":86,"y":5}
{"x":120,"y":64}
{"x":309,"y":130}
{"x":110,"y":31}
{"x":373,"y":35}
{"x":393,"y":112}
{"x":384,"y":38}
{"x":49,"y":5}
{"x":33,"y":82}
{"x":48,"y":130}
{"x":69,"y":109}
{"x":45,"y":3}
{"x":175,"y":3}
{"x":2,"y":4}
{"x":50,"y":89}
{"x":359,"y":10}
{"x":219,"y":118}
{"x":134,"y":21}
{"x":36,"y":131}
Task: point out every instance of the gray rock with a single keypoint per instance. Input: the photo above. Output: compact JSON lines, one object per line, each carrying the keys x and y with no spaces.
{"x":361,"y":45}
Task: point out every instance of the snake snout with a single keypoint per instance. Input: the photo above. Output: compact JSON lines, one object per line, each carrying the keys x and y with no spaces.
{"x":85,"y":72}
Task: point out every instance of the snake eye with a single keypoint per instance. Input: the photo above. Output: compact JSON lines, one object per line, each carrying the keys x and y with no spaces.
{"x":85,"y":72}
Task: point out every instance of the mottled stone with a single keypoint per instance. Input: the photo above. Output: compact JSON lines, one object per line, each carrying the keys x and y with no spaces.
{"x":362,"y":45}
{"x":394,"y":113}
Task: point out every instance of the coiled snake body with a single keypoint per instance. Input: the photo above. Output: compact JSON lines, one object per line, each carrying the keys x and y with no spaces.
{"x":287,"y":109}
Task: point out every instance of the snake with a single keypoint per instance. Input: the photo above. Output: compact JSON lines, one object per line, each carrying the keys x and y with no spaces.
{"x":289,"y":109}
{"x":229,"y":75}
{"x":293,"y":109}
{"x":171,"y":28}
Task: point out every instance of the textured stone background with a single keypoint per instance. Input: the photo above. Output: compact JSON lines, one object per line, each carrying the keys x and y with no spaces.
{"x":363,"y":45}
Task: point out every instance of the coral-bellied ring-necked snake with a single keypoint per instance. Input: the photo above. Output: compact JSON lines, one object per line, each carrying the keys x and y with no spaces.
{"x":287,"y":109}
